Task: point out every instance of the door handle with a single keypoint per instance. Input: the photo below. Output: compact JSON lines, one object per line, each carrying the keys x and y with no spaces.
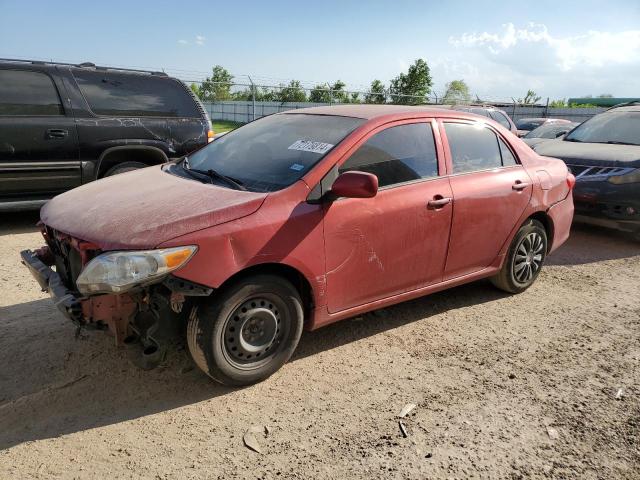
{"x":519,"y":185}
{"x":438,"y":202}
{"x":57,"y":133}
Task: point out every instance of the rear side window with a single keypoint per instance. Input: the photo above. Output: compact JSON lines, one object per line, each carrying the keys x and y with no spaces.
{"x":28,"y":93}
{"x":473,"y":147}
{"x":501,"y":119}
{"x":115,"y":94}
{"x":397,"y":154}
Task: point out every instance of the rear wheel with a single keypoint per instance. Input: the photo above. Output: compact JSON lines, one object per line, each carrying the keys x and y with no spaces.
{"x":524,"y":260}
{"x":248,"y":331}
{"x":124,"y":167}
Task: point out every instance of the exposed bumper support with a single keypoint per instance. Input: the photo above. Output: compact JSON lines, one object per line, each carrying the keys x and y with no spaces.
{"x":114,"y":312}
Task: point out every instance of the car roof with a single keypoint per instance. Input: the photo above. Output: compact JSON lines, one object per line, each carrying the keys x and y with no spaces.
{"x":369,"y":112}
{"x":625,"y":108}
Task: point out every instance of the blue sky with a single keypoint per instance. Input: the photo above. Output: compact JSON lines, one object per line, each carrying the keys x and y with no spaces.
{"x":500,"y":49}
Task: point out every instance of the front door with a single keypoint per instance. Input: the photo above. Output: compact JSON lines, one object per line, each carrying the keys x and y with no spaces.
{"x":38,"y":142}
{"x":491,"y":190}
{"x":395,"y":242}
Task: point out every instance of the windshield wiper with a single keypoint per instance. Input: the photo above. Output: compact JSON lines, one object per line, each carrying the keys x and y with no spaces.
{"x":213,"y":175}
{"x":572,"y":140}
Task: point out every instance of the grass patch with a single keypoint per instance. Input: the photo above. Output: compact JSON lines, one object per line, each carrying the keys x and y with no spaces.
{"x":220,"y":126}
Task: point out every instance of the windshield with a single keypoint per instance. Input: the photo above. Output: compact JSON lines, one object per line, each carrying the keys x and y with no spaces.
{"x":609,"y":127}
{"x":550,"y":130}
{"x":273,"y":152}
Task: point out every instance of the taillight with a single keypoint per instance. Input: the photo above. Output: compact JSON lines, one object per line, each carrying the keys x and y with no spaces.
{"x":571,"y":181}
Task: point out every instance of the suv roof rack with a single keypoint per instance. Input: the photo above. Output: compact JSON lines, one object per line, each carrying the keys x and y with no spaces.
{"x":81,"y":65}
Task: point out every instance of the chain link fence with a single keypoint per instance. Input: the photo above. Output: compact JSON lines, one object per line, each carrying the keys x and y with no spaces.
{"x":244,"y":102}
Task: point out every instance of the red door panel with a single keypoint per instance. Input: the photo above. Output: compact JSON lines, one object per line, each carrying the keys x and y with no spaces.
{"x":486,"y":207}
{"x":391,"y":243}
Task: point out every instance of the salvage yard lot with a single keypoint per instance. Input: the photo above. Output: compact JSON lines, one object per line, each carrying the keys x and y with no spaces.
{"x":494,"y":378}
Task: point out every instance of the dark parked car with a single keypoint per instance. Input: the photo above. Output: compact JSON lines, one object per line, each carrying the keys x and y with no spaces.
{"x":547,"y":131}
{"x":604,"y":155}
{"x":63,"y":125}
{"x":526,"y":125}
{"x":298,"y":220}
{"x":493,"y":113}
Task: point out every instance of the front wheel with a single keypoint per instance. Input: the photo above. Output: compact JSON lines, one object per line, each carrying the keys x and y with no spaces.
{"x":524,"y":260}
{"x":247,"y":331}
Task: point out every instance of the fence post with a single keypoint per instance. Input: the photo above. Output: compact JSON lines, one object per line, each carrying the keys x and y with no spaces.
{"x":546,"y":109}
{"x":253,"y":101}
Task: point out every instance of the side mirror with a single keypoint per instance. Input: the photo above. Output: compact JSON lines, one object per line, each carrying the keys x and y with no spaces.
{"x":355,"y":185}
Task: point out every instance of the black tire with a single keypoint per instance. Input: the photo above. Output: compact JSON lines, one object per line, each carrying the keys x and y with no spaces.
{"x":247,"y":331}
{"x":124,"y":167}
{"x":525,"y":259}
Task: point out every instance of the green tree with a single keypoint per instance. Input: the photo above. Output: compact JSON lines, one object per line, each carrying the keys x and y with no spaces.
{"x":530,"y":98}
{"x":376,"y":93}
{"x":319,"y":94}
{"x":217,"y":87}
{"x":293,"y":92}
{"x":414,"y":86}
{"x":337,"y":92}
{"x":457,"y":92}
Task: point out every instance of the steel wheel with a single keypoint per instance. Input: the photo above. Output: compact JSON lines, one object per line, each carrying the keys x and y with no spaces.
{"x":529,"y":256}
{"x":254,"y":331}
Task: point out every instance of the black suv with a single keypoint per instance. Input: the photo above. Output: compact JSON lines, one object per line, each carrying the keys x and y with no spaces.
{"x":62,"y":125}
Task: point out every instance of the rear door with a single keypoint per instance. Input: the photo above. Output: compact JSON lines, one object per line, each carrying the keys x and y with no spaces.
{"x":38,"y":141}
{"x":394,"y":242}
{"x":490,"y":192}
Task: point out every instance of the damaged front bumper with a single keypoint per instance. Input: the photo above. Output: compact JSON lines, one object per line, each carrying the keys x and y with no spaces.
{"x":112,"y":312}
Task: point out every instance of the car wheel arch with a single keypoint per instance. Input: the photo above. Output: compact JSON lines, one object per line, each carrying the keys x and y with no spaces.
{"x":126,"y":153}
{"x":547,"y":223}
{"x":289,"y":273}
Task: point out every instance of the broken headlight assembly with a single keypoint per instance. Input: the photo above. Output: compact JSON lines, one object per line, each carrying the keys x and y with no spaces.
{"x":631,"y":177}
{"x":118,"y":272}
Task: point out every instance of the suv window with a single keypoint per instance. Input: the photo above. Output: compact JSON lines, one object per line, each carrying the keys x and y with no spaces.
{"x":135,"y":95}
{"x":397,"y":154}
{"x":28,"y":93}
{"x":501,"y":119}
{"x":473,"y":147}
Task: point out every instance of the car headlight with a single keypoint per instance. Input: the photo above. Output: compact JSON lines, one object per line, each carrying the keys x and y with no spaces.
{"x":631,"y":177}
{"x":117,"y":272}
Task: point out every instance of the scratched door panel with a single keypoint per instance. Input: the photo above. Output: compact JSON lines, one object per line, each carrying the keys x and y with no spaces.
{"x":385,"y":245}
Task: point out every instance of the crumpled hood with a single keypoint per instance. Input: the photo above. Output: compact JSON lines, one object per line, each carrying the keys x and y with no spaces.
{"x":144,"y":208}
{"x":590,"y":154}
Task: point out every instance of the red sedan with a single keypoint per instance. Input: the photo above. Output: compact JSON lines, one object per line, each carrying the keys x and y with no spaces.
{"x":295,"y":221}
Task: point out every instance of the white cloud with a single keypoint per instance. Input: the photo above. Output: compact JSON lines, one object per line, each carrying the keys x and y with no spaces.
{"x":183,"y":42}
{"x":200,"y":40}
{"x":592,"y":49}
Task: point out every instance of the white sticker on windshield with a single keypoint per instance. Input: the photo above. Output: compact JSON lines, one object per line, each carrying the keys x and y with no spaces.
{"x":310,"y":146}
{"x":297,"y":167}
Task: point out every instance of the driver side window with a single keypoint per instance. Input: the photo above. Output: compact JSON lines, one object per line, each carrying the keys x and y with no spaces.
{"x":396,"y":155}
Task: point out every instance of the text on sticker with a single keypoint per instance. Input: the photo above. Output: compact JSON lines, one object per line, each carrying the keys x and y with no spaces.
{"x":310,"y":146}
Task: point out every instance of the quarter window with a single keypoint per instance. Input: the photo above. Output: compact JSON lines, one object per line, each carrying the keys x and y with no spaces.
{"x":507,"y":156}
{"x":397,"y":154}
{"x":473,"y":147}
{"x":28,"y":93}
{"x":135,"y":95}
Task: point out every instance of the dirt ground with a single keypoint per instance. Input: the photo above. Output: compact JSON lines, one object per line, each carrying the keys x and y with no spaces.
{"x":505,"y":386}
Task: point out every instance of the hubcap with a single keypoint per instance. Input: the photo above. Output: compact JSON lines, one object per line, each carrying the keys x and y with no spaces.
{"x":253,"y":331}
{"x":529,"y":256}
